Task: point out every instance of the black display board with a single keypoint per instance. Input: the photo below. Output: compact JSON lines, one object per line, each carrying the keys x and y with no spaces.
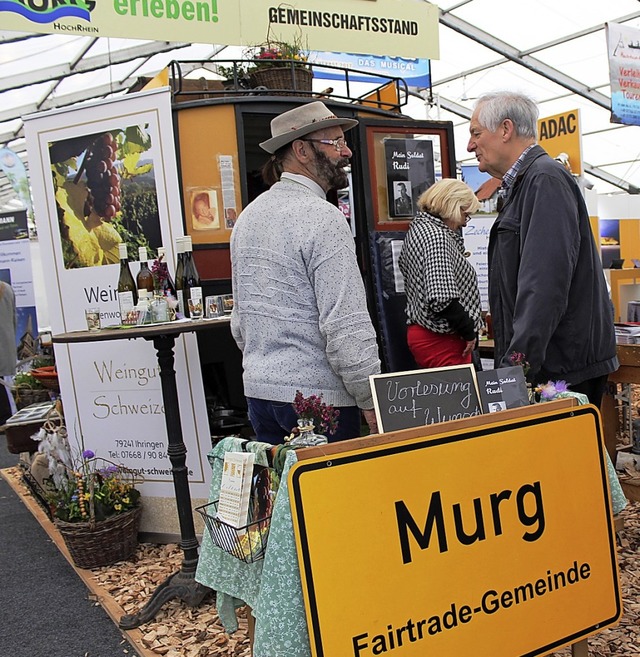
{"x":410,"y":171}
{"x":502,"y":388}
{"x":423,"y":397}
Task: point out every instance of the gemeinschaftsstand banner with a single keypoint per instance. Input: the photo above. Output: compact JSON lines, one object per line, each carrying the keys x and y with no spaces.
{"x":482,"y":537}
{"x":398,"y":28}
{"x":111,"y":390}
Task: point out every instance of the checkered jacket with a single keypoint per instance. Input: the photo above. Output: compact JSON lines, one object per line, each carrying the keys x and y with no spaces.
{"x":435,"y":272}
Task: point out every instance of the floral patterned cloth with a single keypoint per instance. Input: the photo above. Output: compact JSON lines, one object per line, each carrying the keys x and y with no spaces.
{"x":271,"y":587}
{"x":281,"y":624}
{"x":236,"y":583}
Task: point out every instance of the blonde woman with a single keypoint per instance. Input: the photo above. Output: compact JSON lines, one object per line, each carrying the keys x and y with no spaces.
{"x":443,"y":300}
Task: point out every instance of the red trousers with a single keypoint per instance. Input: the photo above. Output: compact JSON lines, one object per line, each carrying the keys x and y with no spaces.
{"x":431,"y":349}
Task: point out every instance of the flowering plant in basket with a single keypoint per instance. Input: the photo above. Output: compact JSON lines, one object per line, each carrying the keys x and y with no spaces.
{"x":275,"y":50}
{"x":80,"y":486}
{"x":323,"y":416}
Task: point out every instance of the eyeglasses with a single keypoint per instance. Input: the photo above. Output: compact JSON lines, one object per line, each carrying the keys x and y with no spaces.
{"x":339,"y":144}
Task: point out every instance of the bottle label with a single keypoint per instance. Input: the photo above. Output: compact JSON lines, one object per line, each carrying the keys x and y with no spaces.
{"x":195,"y":303}
{"x":180,"y":301}
{"x":127,"y":308}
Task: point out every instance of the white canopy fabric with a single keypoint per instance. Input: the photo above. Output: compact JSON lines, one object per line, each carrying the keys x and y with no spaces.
{"x":554,"y":51}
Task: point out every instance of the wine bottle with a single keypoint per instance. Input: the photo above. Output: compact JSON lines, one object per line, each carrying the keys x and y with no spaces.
{"x":127,"y":292}
{"x":167,"y":286}
{"x":144,"y":279}
{"x":192,"y":290}
{"x":180,"y":274}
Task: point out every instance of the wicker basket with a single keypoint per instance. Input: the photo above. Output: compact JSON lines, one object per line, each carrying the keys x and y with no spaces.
{"x":27,"y":396}
{"x":298,"y":79}
{"x":101,"y":543}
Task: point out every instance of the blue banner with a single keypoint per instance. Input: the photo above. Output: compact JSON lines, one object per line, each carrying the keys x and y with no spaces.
{"x":415,"y":72}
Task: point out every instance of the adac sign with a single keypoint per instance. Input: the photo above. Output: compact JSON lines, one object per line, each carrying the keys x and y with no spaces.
{"x":492,"y":540}
{"x":407,"y":28}
{"x":561,"y":134}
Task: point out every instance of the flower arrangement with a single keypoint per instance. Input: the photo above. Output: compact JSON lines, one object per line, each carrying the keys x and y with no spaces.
{"x":271,"y":52}
{"x":80,"y":486}
{"x":160,"y":273}
{"x":313,"y":409}
{"x":517,"y":358}
{"x":552,"y":389}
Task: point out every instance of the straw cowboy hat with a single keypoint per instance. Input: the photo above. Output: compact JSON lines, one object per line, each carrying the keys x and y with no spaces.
{"x":301,"y":121}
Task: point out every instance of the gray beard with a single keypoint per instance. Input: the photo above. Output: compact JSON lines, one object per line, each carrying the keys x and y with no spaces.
{"x":332,"y":173}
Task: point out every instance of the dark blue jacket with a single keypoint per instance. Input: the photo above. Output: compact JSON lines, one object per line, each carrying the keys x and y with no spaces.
{"x":547,"y":291}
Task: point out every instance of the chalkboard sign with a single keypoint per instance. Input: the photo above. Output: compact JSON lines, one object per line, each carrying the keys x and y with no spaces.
{"x":422,"y":397}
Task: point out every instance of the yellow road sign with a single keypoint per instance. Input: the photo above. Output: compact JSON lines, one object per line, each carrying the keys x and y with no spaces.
{"x":494,"y":541}
{"x":561,"y":137}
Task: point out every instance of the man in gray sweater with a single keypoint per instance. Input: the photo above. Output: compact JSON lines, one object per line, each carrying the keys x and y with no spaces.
{"x":300,"y":315}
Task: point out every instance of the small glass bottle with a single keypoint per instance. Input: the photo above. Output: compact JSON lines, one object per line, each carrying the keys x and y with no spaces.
{"x":144,"y":279}
{"x":143,"y":307}
{"x":307,"y":437}
{"x":159,"y":308}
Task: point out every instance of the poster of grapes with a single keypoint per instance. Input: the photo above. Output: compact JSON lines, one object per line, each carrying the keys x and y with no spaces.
{"x":105,"y":193}
{"x":105,"y":173}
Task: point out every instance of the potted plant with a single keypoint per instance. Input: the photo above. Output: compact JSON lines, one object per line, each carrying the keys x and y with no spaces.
{"x":94,"y":503}
{"x":279,"y":64}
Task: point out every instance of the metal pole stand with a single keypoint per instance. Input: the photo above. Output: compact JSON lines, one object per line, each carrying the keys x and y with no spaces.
{"x":182,"y":584}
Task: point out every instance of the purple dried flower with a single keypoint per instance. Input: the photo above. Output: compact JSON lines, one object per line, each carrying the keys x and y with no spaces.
{"x":88,"y":454}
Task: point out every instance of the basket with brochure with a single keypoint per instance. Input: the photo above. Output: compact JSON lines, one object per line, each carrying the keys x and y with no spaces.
{"x":239,"y":521}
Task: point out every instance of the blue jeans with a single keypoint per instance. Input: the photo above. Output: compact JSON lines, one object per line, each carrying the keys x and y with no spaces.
{"x":273,"y":420}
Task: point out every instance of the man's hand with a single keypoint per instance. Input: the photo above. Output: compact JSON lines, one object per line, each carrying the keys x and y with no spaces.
{"x":370,"y":418}
{"x":469,"y":347}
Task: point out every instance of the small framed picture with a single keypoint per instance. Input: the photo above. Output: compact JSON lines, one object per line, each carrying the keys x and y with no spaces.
{"x":204,"y":209}
{"x":212,"y":307}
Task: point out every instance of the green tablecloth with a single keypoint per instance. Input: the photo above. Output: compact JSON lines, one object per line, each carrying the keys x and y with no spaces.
{"x":271,"y":587}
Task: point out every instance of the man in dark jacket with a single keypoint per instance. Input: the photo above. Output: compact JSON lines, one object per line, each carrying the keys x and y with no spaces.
{"x":547,"y":292}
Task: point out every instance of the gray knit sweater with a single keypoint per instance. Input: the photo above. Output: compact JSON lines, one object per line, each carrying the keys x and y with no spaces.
{"x":300,"y":315}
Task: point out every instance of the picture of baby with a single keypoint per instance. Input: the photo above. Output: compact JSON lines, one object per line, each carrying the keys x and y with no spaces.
{"x":204,"y":210}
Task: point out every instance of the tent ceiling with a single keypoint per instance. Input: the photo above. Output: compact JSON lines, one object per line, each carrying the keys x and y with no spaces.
{"x":554,"y":51}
